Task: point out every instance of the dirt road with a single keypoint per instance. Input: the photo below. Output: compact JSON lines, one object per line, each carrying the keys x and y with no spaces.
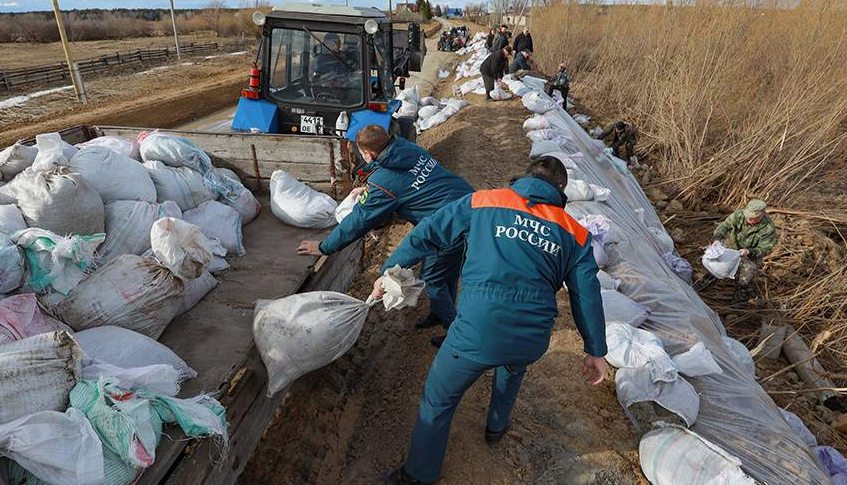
{"x":351,"y":421}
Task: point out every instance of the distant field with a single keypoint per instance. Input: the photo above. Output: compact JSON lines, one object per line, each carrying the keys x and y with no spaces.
{"x":16,"y":55}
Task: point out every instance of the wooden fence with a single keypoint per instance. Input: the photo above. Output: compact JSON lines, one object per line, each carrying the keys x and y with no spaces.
{"x":50,"y":73}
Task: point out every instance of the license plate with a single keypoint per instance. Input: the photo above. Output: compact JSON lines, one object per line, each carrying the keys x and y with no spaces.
{"x":312,"y":124}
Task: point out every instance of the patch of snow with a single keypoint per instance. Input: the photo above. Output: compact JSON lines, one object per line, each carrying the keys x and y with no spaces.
{"x":18,"y":100}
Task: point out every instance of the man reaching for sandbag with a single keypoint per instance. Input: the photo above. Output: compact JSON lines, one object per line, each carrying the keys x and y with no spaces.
{"x":522,"y":246}
{"x":405,"y":179}
{"x":752,"y":232}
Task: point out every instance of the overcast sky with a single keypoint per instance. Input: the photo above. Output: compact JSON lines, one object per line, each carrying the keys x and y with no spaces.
{"x":30,"y":5}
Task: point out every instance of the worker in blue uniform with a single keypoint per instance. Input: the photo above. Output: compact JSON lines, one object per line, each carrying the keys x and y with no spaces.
{"x":404,"y":179}
{"x":522,"y":246}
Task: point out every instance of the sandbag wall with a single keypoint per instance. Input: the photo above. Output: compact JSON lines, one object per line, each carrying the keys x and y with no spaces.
{"x":728,"y":412}
{"x":103,"y":245}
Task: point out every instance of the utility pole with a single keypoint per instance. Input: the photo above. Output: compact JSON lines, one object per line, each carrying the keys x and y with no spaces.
{"x":176,"y":36}
{"x":76,"y":78}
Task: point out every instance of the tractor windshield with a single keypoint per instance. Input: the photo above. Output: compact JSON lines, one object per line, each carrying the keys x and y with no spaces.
{"x":316,"y":67}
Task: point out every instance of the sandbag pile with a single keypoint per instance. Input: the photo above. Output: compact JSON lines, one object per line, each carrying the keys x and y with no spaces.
{"x":76,"y":228}
{"x":675,"y":363}
{"x":433,"y":115}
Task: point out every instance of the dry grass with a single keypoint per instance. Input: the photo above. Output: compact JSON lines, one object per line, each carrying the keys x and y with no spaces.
{"x":735,"y":101}
{"x":732,"y":102}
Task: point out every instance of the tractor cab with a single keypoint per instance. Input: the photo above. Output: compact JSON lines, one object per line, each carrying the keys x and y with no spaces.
{"x":327,"y":70}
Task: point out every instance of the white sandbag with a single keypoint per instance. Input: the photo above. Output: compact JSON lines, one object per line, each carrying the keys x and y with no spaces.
{"x":297,"y":204}
{"x":12,"y":267}
{"x":225,"y":172}
{"x":664,"y":239}
{"x":600,"y":255}
{"x":567,"y":160}
{"x":619,"y":308}
{"x":51,"y":151}
{"x":607,"y":281}
{"x":456,"y":104}
{"x":112,"y":175}
{"x":128,"y":349}
{"x":54,"y":261}
{"x":346,"y":206}
{"x":402,"y":288}
{"x":128,"y":224}
{"x":635,"y":385}
{"x":432,"y":121}
{"x":174,"y":151}
{"x":218,"y":262}
{"x":630,"y":347}
{"x":582,"y":119}
{"x":580,"y":190}
{"x":37,"y":373}
{"x":130,"y":292}
{"x":20,"y":318}
{"x":697,"y":361}
{"x":499,"y":94}
{"x":243,"y":201}
{"x":741,"y":355}
{"x":429,"y":101}
{"x":196,"y":289}
{"x":11,"y":220}
{"x":123,"y":146}
{"x":721,"y":261}
{"x":470,"y":86}
{"x":536,"y":122}
{"x":797,"y":425}
{"x":410,"y":100}
{"x":160,"y":378}
{"x":58,"y":448}
{"x":182,"y":185}
{"x":673,"y":455}
{"x":58,"y":201}
{"x":181,"y":247}
{"x":428,"y":111}
{"x":537,"y":102}
{"x":543,"y":147}
{"x":14,"y":159}
{"x":305,"y":331}
{"x":218,"y":221}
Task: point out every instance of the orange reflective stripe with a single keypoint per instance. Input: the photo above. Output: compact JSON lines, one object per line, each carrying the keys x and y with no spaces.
{"x":509,"y":199}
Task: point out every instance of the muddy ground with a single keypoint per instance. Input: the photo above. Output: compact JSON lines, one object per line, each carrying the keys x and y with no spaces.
{"x":351,"y":421}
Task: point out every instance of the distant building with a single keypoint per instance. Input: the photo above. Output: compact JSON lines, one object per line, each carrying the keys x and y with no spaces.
{"x":453,"y":12}
{"x":407,"y":8}
{"x":516,"y":18}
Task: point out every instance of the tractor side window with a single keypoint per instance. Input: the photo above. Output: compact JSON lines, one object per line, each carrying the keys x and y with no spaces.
{"x":383,"y":65}
{"x":280,"y":48}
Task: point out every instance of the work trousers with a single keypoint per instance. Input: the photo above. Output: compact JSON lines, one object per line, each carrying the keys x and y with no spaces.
{"x":628,"y":144}
{"x":488,"y":81}
{"x":441,"y":273}
{"x":549,"y":88}
{"x":449,"y":377}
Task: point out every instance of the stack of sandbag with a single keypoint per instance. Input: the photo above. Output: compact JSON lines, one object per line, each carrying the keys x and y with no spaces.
{"x":442,"y":111}
{"x":54,"y":262}
{"x":410,"y":100}
{"x":123,"y":146}
{"x":114,"y":176}
{"x":297,"y":204}
{"x":20,"y":318}
{"x":37,"y":373}
{"x":128,"y":224}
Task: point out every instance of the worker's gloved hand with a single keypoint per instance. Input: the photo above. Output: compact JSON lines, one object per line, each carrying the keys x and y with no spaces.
{"x":594,"y":369}
{"x":309,"y":248}
{"x":744,"y":253}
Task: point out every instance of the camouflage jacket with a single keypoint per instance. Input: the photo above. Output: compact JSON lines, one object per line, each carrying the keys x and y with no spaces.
{"x":759,"y":239}
{"x":629,"y":134}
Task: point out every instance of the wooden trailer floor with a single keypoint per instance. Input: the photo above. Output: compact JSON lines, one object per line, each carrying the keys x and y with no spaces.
{"x":216,"y":339}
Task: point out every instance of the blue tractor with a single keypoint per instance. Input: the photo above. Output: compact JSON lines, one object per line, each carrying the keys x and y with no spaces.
{"x":329,"y":71}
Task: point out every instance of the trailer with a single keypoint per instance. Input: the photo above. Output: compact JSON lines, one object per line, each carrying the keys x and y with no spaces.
{"x":215,"y":337}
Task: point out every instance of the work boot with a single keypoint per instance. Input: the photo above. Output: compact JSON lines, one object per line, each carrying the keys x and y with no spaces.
{"x":492,"y":438}
{"x":400,"y":477}
{"x":430,"y":321}
{"x":437,"y":341}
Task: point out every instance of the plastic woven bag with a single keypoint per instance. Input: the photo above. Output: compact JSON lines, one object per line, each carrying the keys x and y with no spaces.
{"x":720,"y":261}
{"x":630,"y":347}
{"x":58,"y":448}
{"x":20,"y":318}
{"x":402,"y":288}
{"x":218,"y":221}
{"x":303,"y":332}
{"x":181,"y":247}
{"x":697,"y":361}
{"x":56,"y":261}
{"x":297,"y":204}
{"x":636,"y":385}
{"x":128,"y":224}
{"x":12,"y":268}
{"x":126,"y":348}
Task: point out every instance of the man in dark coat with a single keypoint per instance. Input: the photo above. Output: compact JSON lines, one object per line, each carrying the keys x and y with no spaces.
{"x":494,"y":68}
{"x":523,"y":42}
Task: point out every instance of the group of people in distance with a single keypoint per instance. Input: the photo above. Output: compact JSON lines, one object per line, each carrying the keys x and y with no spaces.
{"x":454,"y":39}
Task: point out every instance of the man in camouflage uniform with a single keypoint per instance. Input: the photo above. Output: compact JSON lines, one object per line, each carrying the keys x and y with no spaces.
{"x":752,"y":232}
{"x":625,"y":135}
